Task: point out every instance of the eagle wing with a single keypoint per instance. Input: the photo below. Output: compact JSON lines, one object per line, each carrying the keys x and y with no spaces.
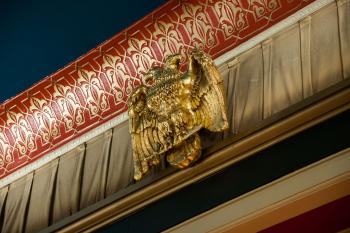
{"x":151,"y":135}
{"x":209,"y":99}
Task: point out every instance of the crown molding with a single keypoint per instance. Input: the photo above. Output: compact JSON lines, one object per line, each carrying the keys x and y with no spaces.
{"x":86,"y":97}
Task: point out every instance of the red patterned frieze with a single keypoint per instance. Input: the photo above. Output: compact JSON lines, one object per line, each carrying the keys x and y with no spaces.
{"x":95,"y":88}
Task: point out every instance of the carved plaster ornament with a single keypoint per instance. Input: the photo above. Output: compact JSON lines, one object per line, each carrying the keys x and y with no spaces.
{"x":165,"y":118}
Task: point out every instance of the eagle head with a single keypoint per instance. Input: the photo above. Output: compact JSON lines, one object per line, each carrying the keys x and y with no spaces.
{"x":172,"y":62}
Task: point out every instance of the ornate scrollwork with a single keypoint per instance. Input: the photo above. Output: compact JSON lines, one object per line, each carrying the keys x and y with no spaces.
{"x":165,"y":118}
{"x":94,"y":88}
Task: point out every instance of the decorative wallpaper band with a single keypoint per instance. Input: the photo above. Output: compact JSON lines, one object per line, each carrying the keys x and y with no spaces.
{"x":94,"y":89}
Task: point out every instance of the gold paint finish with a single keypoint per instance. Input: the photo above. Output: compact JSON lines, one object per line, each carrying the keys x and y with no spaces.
{"x":165,"y":118}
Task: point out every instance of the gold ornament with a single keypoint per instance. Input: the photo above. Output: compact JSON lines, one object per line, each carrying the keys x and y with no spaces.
{"x":165,"y":118}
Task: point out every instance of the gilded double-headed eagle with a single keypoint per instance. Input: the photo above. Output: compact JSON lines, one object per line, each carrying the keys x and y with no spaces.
{"x":165,"y":118}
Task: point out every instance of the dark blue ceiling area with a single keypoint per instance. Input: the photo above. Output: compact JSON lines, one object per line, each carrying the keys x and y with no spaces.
{"x":39,"y":37}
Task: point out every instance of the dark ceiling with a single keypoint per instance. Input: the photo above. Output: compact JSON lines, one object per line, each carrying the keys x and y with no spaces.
{"x":39,"y":37}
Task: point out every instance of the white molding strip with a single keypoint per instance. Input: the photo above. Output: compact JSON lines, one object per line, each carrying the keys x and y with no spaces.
{"x":63,"y":149}
{"x":289,"y":21}
{"x":272,"y":196}
{"x":311,"y":8}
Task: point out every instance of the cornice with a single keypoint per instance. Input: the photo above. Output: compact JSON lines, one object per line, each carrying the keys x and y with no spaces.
{"x":89,"y":95}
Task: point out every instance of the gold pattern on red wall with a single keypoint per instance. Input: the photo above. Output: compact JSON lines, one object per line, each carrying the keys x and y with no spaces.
{"x":95,"y":88}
